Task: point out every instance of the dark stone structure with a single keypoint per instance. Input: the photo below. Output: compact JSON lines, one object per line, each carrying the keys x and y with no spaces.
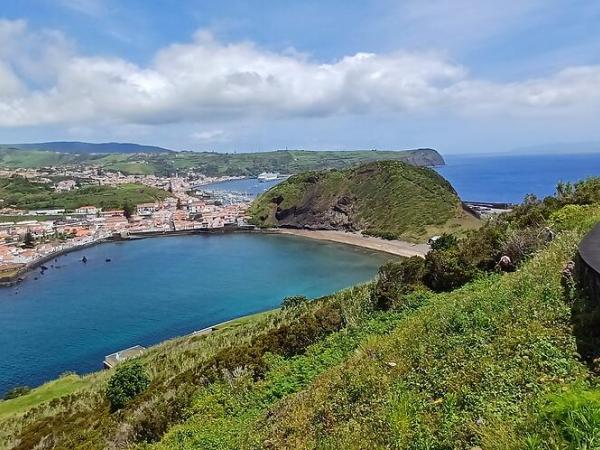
{"x":586,"y":308}
{"x":588,"y":265}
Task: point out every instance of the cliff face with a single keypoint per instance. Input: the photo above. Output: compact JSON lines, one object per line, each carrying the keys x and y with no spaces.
{"x":425,"y":157}
{"x":386,"y":198}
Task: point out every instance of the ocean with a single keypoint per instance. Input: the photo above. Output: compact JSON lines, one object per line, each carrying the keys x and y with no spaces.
{"x":508,"y":178}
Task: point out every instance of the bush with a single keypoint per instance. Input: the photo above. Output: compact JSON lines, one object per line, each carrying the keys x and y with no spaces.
{"x":129,"y":380}
{"x":444,"y":242}
{"x":294,"y":301}
{"x":519,"y":244}
{"x":383,"y":234}
{"x":396,"y":279}
{"x":17,"y":392}
{"x":447,"y":270}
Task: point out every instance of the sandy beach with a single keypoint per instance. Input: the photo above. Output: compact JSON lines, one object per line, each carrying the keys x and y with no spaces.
{"x":400,"y":248}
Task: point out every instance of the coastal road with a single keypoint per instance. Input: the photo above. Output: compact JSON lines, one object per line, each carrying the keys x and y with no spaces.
{"x":400,"y":248}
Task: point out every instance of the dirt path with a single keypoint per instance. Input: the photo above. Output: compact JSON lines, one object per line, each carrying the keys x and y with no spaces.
{"x":400,"y":248}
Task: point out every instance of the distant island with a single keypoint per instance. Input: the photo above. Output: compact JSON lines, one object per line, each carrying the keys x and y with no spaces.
{"x":133,"y":159}
{"x":389,"y":199}
{"x":88,"y":147}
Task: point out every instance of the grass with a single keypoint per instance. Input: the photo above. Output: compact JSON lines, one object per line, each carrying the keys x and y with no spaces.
{"x":389,"y":199}
{"x":18,"y":192}
{"x":465,"y":369}
{"x":214,"y":164}
{"x":49,"y":391}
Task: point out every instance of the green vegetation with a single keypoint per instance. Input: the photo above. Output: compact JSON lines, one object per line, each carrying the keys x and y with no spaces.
{"x":129,"y":380}
{"x":213,"y":164}
{"x":45,"y":393}
{"x":19,"y":192}
{"x":390,"y":199}
{"x":17,"y":392}
{"x":492,"y":360}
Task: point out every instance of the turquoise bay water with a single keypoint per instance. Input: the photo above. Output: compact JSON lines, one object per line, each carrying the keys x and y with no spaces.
{"x":155,"y":289}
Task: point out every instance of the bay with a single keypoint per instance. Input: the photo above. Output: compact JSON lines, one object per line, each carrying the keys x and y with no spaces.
{"x":155,"y":289}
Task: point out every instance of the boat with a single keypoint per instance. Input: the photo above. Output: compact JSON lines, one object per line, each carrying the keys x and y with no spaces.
{"x":267,"y":176}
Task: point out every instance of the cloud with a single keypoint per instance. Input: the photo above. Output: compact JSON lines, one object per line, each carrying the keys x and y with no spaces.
{"x":209,"y":136}
{"x":92,"y":8}
{"x":207,"y":80}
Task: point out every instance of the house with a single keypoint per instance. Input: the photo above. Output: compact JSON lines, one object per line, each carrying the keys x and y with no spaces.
{"x":65,"y":185}
{"x":195,"y":207}
{"x":46,"y":212}
{"x":87,"y":210}
{"x":146,"y":209}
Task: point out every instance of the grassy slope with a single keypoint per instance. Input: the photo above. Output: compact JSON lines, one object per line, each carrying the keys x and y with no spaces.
{"x":23,"y":194}
{"x":249,"y":164}
{"x":49,"y":391}
{"x":468,"y":368}
{"x":388,"y":198}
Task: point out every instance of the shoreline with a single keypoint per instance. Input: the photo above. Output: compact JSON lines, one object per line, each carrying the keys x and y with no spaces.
{"x":31,"y":266}
{"x":393,"y":247}
{"x":397,"y":248}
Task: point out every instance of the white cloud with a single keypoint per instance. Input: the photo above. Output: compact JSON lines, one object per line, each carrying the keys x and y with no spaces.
{"x":89,"y":7}
{"x":209,"y":136}
{"x":43,"y":81}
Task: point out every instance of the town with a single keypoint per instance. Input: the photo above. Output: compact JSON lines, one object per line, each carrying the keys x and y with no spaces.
{"x":29,"y":237}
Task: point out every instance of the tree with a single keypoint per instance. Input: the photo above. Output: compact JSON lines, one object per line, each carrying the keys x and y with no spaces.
{"x":127,"y":210}
{"x":29,"y":240}
{"x":179,"y":205}
{"x":129,"y":380}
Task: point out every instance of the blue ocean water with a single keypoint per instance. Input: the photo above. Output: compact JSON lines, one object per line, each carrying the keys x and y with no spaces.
{"x":492,"y":178}
{"x":508,"y":178}
{"x":249,"y":186}
{"x":155,"y":289}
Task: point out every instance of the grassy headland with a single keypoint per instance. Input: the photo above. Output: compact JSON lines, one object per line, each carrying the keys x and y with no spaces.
{"x":389,"y":199}
{"x":445,"y":352}
{"x":214,"y":164}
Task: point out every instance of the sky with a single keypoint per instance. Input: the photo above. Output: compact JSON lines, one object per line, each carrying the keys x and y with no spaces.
{"x":461,"y":76}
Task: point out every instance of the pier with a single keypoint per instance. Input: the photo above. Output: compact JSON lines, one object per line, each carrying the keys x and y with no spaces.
{"x":113,"y":359}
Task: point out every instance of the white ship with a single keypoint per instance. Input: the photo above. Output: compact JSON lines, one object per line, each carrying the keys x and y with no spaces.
{"x":267,"y":176}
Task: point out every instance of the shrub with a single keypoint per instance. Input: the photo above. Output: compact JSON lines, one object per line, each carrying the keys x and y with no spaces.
{"x":444,"y":242}
{"x":17,"y":392}
{"x":519,"y":244}
{"x":383,"y":234}
{"x":129,"y":380}
{"x":294,"y":301}
{"x":397,"y":278}
{"x":447,"y":270}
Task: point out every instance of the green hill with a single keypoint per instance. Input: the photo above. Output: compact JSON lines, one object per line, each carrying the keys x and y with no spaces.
{"x":88,"y":147}
{"x":209,"y":163}
{"x":21,"y":193}
{"x":387,"y":198}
